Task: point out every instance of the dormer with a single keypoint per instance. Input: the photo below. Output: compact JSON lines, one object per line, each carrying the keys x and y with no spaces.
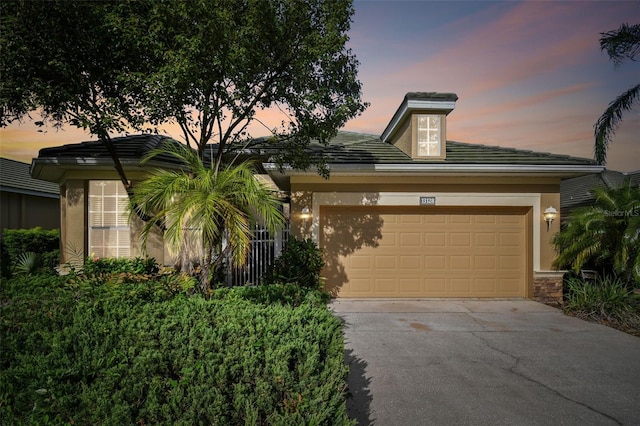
{"x":418,"y":127}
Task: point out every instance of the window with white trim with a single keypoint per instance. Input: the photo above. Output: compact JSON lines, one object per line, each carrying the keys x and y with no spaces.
{"x":428,"y":135}
{"x":109,"y":232}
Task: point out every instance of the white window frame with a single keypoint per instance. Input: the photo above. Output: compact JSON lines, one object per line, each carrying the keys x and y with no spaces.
{"x":115,"y":235}
{"x":428,"y":140}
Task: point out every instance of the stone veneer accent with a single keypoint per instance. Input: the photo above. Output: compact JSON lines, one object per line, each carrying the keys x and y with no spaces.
{"x":547,"y":287}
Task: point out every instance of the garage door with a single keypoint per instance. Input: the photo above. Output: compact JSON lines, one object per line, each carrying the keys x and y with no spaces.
{"x":411,"y":252}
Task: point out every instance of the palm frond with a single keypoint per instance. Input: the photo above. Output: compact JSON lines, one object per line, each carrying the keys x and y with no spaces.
{"x":609,"y":121}
{"x":621,"y":44}
{"x":210,"y":205}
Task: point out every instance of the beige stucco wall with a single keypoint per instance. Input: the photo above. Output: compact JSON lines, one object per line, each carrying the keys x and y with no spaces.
{"x":155,"y":242}
{"x":547,"y":253}
{"x":300,"y":227}
{"x":403,"y":138}
{"x":73,"y":228}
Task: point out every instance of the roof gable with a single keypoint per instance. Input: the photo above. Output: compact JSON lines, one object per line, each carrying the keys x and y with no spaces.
{"x":15,"y":177}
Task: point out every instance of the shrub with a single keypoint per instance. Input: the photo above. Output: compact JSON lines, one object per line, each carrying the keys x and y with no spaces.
{"x":28,"y":263}
{"x":300,"y":262}
{"x":46,"y":243}
{"x":608,"y":300}
{"x":283,"y":294}
{"x":78,"y":353}
{"x":112,"y":265}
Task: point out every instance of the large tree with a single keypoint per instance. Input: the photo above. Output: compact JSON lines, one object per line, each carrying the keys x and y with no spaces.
{"x":67,"y":61}
{"x":207,"y":65}
{"x":221,"y":62}
{"x":621,"y":44}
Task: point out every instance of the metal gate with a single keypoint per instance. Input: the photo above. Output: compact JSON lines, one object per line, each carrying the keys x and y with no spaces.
{"x":265,"y":248}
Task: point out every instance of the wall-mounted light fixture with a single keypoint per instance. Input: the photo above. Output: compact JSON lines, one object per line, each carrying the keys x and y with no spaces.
{"x":305,"y":214}
{"x":549,"y":214}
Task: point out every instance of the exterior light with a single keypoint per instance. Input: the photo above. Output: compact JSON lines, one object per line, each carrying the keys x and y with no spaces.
{"x":306,"y":213}
{"x":549,"y":214}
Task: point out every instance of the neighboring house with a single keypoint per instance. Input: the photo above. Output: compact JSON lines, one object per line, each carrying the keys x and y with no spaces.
{"x":578,"y":192}
{"x":406,"y":214}
{"x":26,"y":202}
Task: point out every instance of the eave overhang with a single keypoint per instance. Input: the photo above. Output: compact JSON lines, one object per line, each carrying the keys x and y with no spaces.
{"x":281,"y":176}
{"x":55,"y":169}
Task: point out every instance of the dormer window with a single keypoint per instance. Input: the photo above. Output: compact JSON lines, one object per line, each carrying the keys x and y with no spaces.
{"x":419,"y":126}
{"x":428,"y":135}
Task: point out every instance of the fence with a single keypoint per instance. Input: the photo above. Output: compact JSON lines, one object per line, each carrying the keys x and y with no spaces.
{"x":264,"y":250}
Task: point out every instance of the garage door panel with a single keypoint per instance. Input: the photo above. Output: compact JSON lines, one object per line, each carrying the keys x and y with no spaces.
{"x":460,"y":286}
{"x":510,"y":239}
{"x":486,"y":219}
{"x":485,"y":285}
{"x":410,"y":263}
{"x":435,"y":262}
{"x":388,"y":240}
{"x":410,"y":239}
{"x":460,"y":239}
{"x":511,"y":262}
{"x":411,"y":286}
{"x":432,"y":239}
{"x":361,"y":285}
{"x":485,"y":262}
{"x":509,"y":286}
{"x":436,"y":219}
{"x":485,"y":239}
{"x":385,"y":286}
{"x":460,"y":262}
{"x":361,"y":262}
{"x":427,"y":255}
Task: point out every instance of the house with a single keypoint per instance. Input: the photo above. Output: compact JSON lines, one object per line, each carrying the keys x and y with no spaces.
{"x":26,"y":202}
{"x":578,"y":192}
{"x":410,"y":214}
{"x":407,"y":214}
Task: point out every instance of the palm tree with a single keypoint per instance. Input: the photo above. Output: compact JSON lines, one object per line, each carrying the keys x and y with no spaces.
{"x":213,"y":208}
{"x":620,"y":45}
{"x":605,"y":235}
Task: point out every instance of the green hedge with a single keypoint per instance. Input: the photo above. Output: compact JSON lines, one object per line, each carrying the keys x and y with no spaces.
{"x":122,"y":265}
{"x":46,"y":243}
{"x":77,"y":351}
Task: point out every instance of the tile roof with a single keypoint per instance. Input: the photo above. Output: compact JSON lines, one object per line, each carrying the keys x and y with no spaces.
{"x":345,"y":148}
{"x":578,"y":192}
{"x":358,"y":148}
{"x":132,"y":147}
{"x":15,"y":177}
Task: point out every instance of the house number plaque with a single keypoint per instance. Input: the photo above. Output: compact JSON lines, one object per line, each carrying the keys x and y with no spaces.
{"x":427,"y":201}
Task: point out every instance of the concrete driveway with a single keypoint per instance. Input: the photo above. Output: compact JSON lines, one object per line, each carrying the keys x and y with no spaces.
{"x":476,"y":362}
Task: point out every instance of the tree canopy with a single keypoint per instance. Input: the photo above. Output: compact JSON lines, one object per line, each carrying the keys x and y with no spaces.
{"x":67,"y":61}
{"x":207,"y":65}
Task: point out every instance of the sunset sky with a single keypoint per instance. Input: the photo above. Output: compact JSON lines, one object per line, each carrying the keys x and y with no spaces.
{"x":528,"y":75}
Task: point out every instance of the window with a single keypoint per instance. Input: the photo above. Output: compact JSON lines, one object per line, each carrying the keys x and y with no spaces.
{"x":428,"y":131}
{"x":109,"y":234}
